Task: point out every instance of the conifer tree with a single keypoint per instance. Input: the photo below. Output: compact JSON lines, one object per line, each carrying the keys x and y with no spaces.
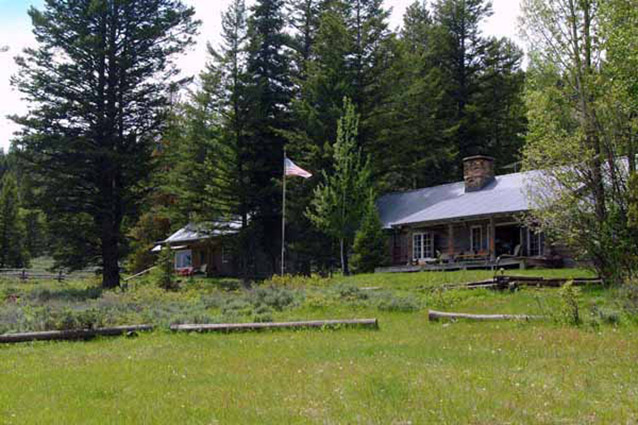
{"x":500,"y":103}
{"x":12,"y":233}
{"x":370,"y":250}
{"x":98,"y":84}
{"x":304,"y":18}
{"x":367,"y":21}
{"x":459,"y":48}
{"x":233,"y":188}
{"x":268,"y":94}
{"x":411,"y":148}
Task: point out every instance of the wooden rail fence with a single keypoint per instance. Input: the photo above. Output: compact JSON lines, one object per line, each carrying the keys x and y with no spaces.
{"x":35,"y":274}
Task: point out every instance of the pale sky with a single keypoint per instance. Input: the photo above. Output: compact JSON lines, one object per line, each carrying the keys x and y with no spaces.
{"x":15,"y":32}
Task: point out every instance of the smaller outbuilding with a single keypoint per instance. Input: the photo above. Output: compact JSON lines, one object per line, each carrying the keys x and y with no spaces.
{"x":203,"y":248}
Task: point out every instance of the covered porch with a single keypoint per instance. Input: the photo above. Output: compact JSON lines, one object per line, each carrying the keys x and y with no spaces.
{"x":478,"y":243}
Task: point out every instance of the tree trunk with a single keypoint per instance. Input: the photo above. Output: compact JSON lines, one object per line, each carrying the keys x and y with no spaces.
{"x":110,"y":255}
{"x":345,"y":270}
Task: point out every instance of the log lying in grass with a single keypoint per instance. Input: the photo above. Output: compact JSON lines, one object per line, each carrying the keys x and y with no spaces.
{"x":231,"y":327}
{"x":505,"y":282}
{"x":436,"y":315}
{"x":553,"y":283}
{"x":73,"y":334}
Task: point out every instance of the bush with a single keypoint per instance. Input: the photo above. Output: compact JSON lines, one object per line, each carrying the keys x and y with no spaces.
{"x":399,"y":304}
{"x":166,"y":277}
{"x":570,"y":309}
{"x":296,"y":281}
{"x":263,"y":314}
{"x":351,"y":292}
{"x":237,"y":307}
{"x":370,"y":249}
{"x":276,"y":298}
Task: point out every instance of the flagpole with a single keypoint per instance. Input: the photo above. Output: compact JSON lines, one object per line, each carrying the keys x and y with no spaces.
{"x":283,"y":220}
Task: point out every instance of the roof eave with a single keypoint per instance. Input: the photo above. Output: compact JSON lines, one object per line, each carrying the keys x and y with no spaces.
{"x":455,"y":219}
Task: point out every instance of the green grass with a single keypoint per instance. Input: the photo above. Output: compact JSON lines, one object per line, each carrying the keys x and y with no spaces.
{"x":409,"y":371}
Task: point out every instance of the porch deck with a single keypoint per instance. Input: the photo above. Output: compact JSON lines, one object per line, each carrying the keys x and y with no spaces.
{"x":518,"y":262}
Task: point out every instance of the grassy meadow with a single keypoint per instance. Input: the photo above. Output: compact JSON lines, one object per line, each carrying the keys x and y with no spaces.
{"x":410,"y":371}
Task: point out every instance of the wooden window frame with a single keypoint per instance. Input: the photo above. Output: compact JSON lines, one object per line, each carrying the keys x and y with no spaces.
{"x":425,"y":249}
{"x":541,"y":248}
{"x":182,"y":253}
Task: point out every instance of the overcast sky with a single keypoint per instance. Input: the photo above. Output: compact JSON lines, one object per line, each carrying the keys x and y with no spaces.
{"x":15,"y":32}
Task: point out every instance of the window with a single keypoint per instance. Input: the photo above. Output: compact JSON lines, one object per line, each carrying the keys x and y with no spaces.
{"x":183,"y":259}
{"x":476,"y":238}
{"x":225,"y":255}
{"x":535,"y":243}
{"x":423,"y":246}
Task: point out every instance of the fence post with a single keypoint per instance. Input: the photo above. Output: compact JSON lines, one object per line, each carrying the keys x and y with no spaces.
{"x":23,"y":277}
{"x":60,"y":277}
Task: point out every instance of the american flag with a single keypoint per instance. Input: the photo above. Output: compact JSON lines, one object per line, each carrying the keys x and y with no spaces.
{"x":291,"y":169}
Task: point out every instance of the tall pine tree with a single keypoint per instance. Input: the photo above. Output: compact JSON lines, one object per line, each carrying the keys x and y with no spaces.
{"x":316,"y":110}
{"x":411,"y":148}
{"x":269,"y":94}
{"x":482,"y":83}
{"x":12,"y":232}
{"x":98,"y":84}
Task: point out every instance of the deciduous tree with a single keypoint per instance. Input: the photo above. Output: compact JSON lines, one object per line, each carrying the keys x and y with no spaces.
{"x":582,"y":196}
{"x":340,"y":199}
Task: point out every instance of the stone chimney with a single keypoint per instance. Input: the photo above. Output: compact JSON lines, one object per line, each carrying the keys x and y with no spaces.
{"x":478,"y":172}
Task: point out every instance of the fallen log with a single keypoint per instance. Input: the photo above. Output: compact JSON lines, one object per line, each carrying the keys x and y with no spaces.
{"x":73,"y":334}
{"x":230,"y":327}
{"x":553,"y":282}
{"x":436,"y":315}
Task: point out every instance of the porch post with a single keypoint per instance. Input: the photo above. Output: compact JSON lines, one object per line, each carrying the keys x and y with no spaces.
{"x":450,"y":240}
{"x":492,"y":234}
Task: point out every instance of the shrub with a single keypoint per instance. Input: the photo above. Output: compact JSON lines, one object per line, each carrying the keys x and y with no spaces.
{"x":404,"y":304}
{"x":229,"y":284}
{"x":68,"y":320}
{"x":351,"y":292}
{"x":263,"y":314}
{"x":237,"y":307}
{"x":606,"y":315}
{"x":276,"y":298}
{"x":370,"y":242}
{"x":166,"y":276}
{"x":317,"y":300}
{"x":296,"y":281}
{"x":90,"y":319}
{"x":570,"y":298}
{"x":628,"y":298}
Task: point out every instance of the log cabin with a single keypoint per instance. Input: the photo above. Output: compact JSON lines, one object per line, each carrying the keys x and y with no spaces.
{"x":202,"y":249}
{"x":476,"y":223}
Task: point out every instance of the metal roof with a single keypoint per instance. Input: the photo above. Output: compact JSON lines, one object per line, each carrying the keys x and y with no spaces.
{"x":196,"y":232}
{"x":505,"y":194}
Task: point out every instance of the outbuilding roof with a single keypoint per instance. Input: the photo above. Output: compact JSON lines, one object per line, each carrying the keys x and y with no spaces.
{"x":193,"y":232}
{"x":505,"y":194}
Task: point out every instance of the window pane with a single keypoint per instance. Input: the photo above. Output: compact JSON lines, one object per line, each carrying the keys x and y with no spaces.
{"x":477,"y":239}
{"x":417,"y":248}
{"x":535,"y":243}
{"x":427,"y":245}
{"x":183,"y":259}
